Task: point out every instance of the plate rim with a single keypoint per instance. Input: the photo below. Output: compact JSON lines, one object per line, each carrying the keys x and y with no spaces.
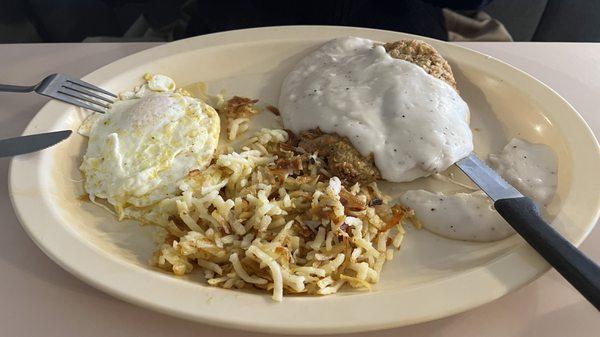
{"x":521,"y":254}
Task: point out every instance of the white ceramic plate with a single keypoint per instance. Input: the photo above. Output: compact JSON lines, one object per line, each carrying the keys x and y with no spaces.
{"x":431,"y":277}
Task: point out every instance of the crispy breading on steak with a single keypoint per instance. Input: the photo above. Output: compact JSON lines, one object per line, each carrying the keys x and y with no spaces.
{"x":343,"y":160}
{"x":424,"y":55}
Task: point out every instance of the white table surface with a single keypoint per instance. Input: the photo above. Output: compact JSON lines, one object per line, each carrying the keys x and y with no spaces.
{"x":38,"y":298}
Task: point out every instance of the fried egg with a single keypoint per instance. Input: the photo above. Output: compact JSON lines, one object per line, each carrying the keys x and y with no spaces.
{"x":144,"y":145}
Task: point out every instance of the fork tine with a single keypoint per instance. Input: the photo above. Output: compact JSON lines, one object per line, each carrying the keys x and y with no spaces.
{"x":75,"y":101}
{"x":90,"y":86}
{"x":82,"y":97}
{"x":84,"y":91}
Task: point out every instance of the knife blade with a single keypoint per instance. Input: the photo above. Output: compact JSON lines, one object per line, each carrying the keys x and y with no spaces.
{"x":487,"y":179}
{"x":523,"y":215}
{"x":31,"y":143}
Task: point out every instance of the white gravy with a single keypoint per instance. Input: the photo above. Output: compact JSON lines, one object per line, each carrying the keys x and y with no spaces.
{"x":530,"y":168}
{"x":413,"y":123}
{"x":460,"y":216}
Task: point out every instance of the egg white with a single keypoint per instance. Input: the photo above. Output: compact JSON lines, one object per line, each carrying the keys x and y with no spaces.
{"x":139,"y":150}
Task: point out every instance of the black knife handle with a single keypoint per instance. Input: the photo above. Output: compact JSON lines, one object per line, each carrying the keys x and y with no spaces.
{"x":523,"y":215}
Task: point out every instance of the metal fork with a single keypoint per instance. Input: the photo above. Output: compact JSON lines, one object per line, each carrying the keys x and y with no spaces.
{"x":69,"y":90}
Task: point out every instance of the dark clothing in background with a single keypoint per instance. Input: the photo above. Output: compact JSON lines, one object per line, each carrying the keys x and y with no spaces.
{"x":75,"y":20}
{"x":410,"y":16}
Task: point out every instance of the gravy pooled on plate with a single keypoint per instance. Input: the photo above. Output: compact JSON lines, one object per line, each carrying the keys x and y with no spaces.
{"x":530,"y":168}
{"x":460,"y":216}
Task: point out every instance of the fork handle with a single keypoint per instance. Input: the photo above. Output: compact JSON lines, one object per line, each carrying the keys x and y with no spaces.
{"x":523,"y":215}
{"x":16,"y":88}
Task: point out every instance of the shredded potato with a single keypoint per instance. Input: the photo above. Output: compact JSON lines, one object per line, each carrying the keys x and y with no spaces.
{"x":270,"y":216}
{"x":237,"y":112}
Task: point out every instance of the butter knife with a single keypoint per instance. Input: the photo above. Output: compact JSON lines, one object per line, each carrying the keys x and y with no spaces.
{"x":25,"y":144}
{"x":523,"y":215}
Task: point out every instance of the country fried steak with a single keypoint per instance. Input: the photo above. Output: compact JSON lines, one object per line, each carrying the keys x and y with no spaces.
{"x":343,"y":159}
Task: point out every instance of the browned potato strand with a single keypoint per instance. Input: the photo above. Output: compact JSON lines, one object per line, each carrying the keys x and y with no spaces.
{"x":237,"y":107}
